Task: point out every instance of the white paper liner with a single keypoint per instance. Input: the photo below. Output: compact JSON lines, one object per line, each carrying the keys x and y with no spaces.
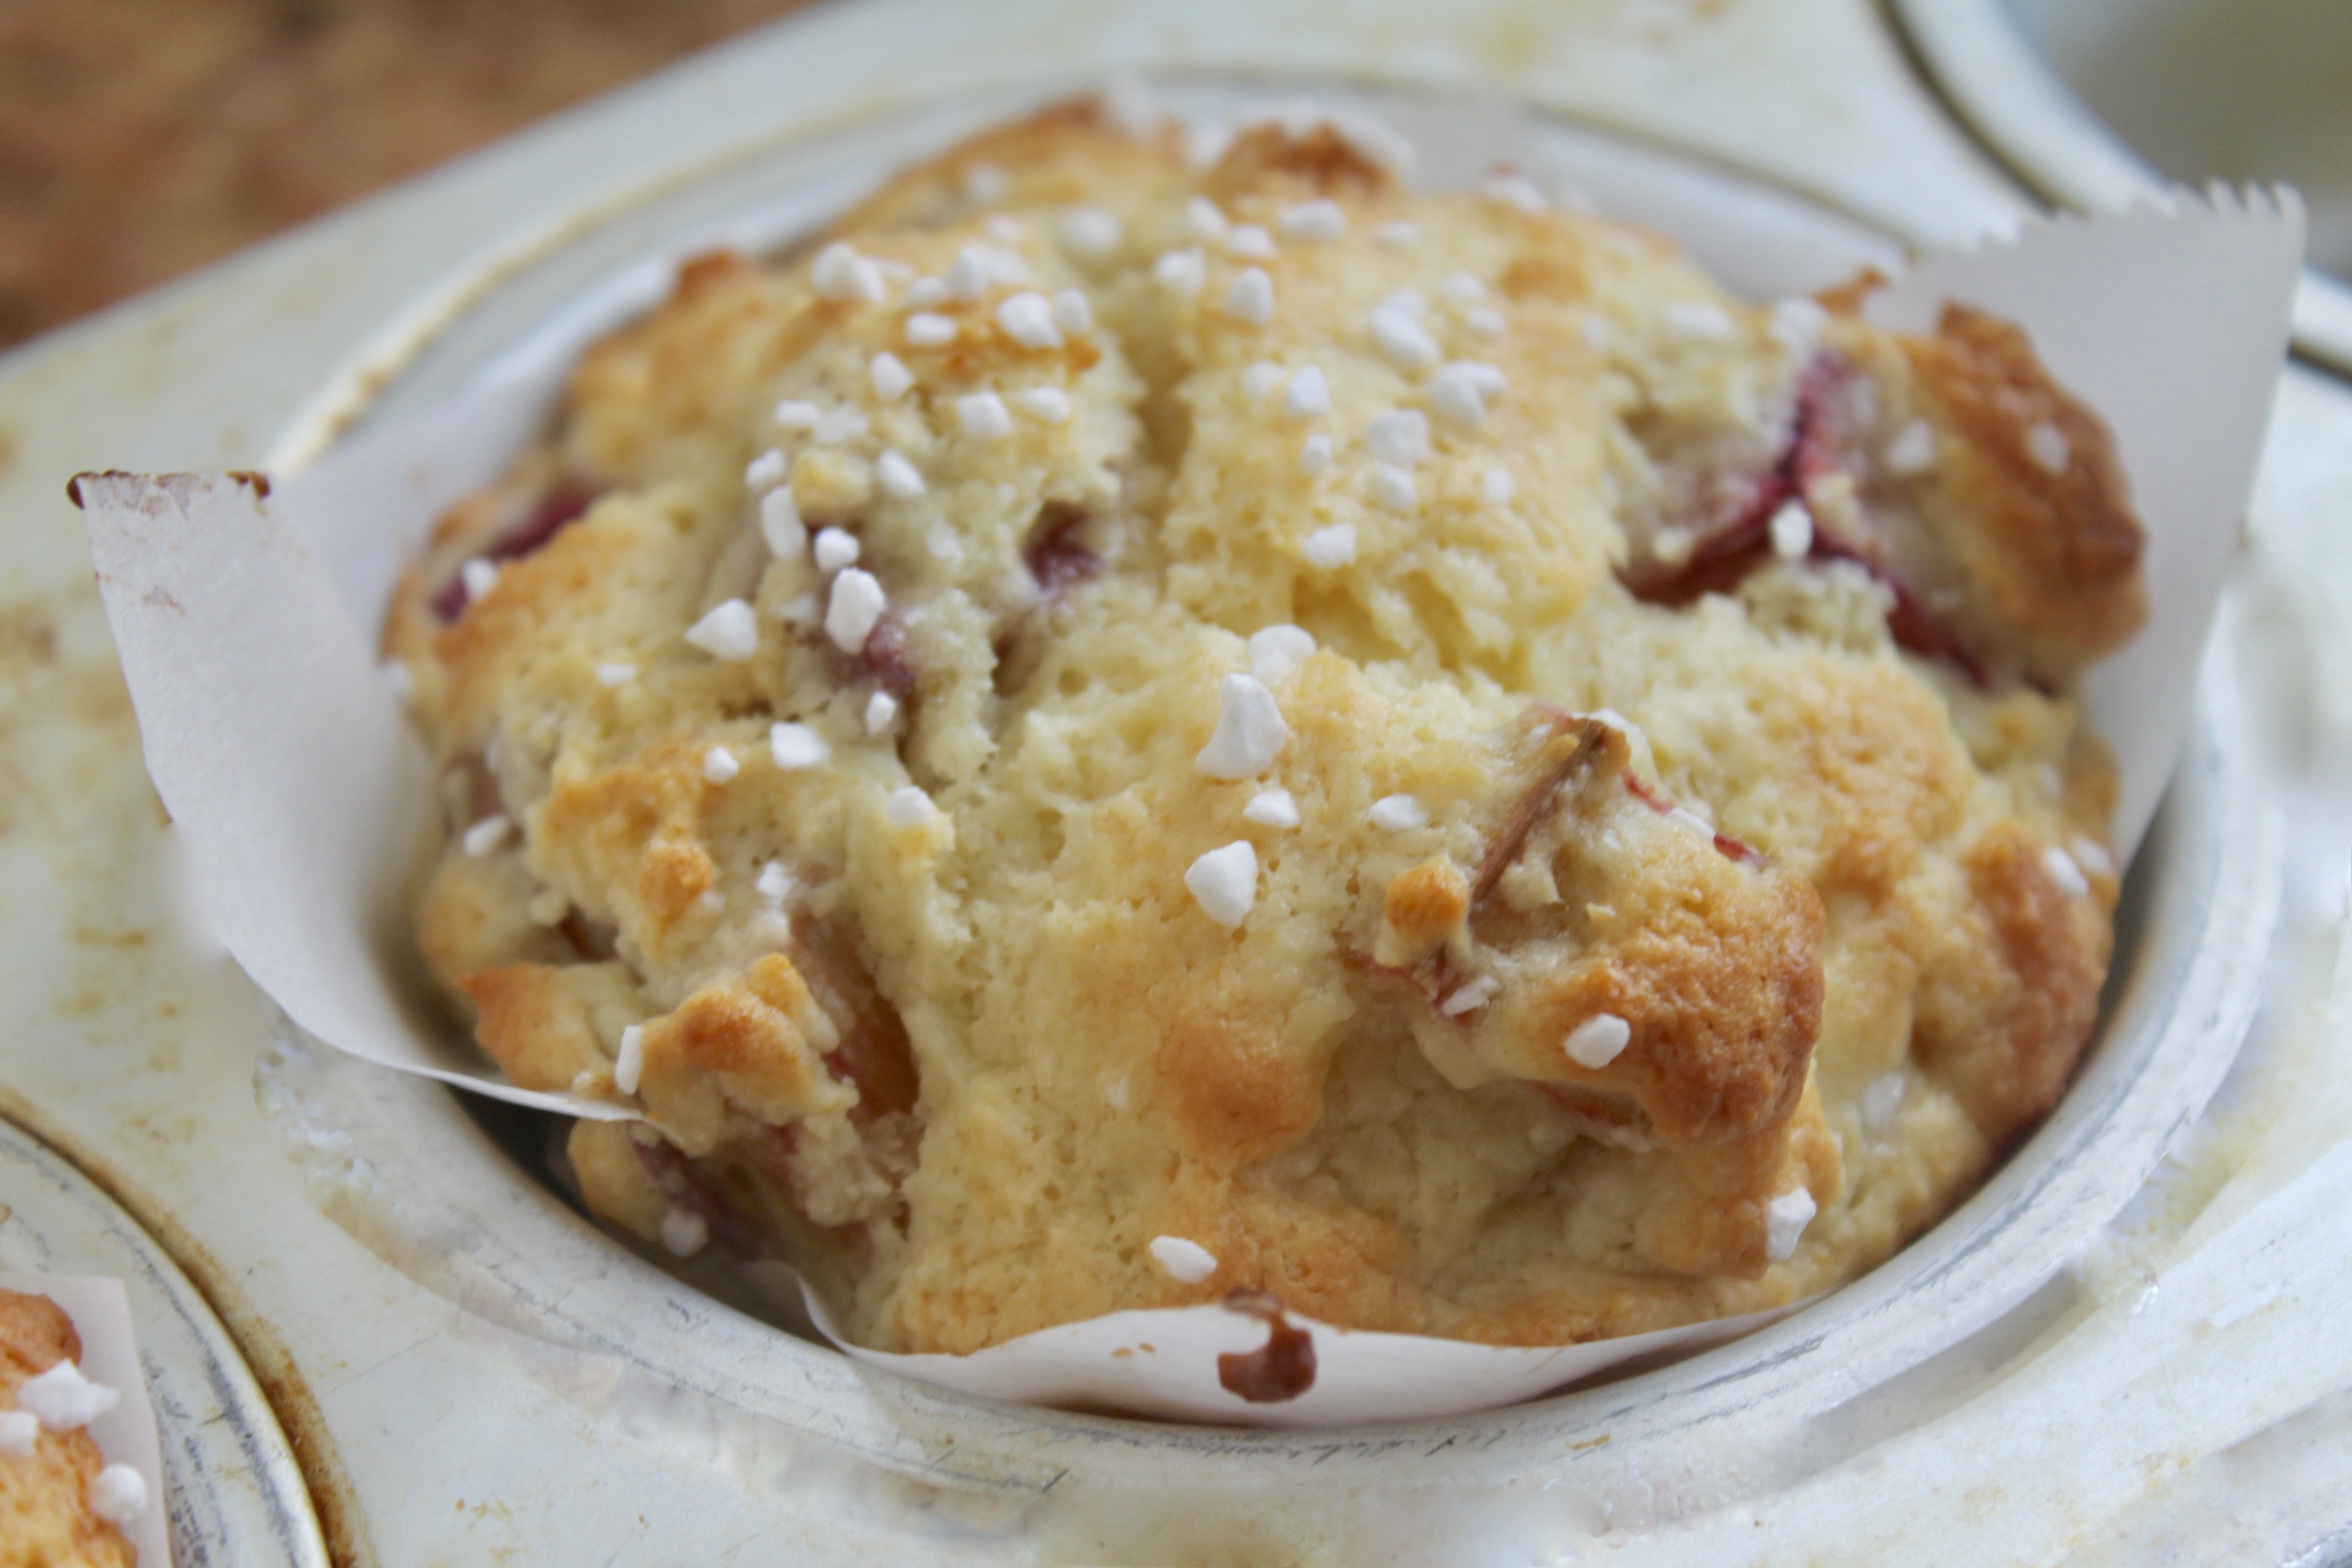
{"x":279,"y":749}
{"x":126,"y":1435}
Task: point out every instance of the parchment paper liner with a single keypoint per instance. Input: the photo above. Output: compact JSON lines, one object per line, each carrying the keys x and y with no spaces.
{"x":245,"y":628}
{"x":126,"y":1435}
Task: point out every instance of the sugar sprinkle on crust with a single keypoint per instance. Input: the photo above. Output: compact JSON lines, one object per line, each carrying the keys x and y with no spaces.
{"x":1678,"y":620}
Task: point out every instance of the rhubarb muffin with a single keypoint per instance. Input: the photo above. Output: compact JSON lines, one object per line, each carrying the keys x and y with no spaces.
{"x":1124,"y":727}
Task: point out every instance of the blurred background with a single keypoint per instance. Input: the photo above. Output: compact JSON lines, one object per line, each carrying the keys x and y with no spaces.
{"x":142,"y":138}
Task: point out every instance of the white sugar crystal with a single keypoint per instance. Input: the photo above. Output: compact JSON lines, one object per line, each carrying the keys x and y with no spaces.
{"x":1673,"y":546}
{"x":1515,"y":189}
{"x":1272,"y":808}
{"x":794,"y":413}
{"x":1470,"y":997}
{"x":1090,"y":233}
{"x":1400,"y":436}
{"x":840,"y":273}
{"x":780,"y":523}
{"x":795,"y":746}
{"x":719,"y":765}
{"x":1028,"y":319}
{"x":1403,"y":342}
{"x":615,"y":674}
{"x":834,"y":549}
{"x":1392,"y":489}
{"x":853,"y":609}
{"x":1497,"y":486}
{"x":968,"y":274}
{"x":1700,"y":320}
{"x":1050,"y":404}
{"x":1463,"y":288}
{"x":1797,"y":324}
{"x":1314,"y":454}
{"x":1278,"y":650}
{"x":1003,"y":265}
{"x":927,"y":293}
{"x":487,"y":834}
{"x":838,"y":426}
{"x":1486,"y":321}
{"x":479,"y":577}
{"x":63,"y":1399}
{"x":1249,"y":242}
{"x":629,"y":1061}
{"x":1308,"y":394}
{"x":1409,"y":301}
{"x":1598,"y":1041}
{"x":2091,"y":855}
{"x":1251,"y":298}
{"x":1785,"y":1219}
{"x":890,"y":376}
{"x":1320,"y":219}
{"x":774,"y":884}
{"x":730,"y":632}
{"x":881,"y":712}
{"x":1398,"y":233}
{"x":1179,"y":271}
{"x":1203,"y":220}
{"x":1460,"y":391}
{"x":684,"y":1232}
{"x":929,"y":329}
{"x":1249,"y":734}
{"x":1185,"y":1262}
{"x":767,"y":469}
{"x":908,"y":807}
{"x":982,"y":416}
{"x":1792,"y":531}
{"x":19,"y":1431}
{"x":1882,"y":1099}
{"x":2046,"y":444}
{"x":1912,"y":451}
{"x":985,"y":183}
{"x":2065,"y":872}
{"x":1072,"y":314}
{"x":1224,"y":882}
{"x":1332,"y":547}
{"x":900,"y":478}
{"x":118,"y":1494}
{"x":1130,"y":103}
{"x":1399,"y":813}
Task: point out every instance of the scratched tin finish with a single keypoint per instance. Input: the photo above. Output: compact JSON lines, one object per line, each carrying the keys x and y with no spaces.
{"x":232,"y":1488}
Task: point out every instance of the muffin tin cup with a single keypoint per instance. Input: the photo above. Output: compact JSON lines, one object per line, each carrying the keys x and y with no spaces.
{"x":304,"y":797}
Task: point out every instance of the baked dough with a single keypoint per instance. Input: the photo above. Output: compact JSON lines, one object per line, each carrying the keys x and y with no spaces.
{"x":1674,"y":860}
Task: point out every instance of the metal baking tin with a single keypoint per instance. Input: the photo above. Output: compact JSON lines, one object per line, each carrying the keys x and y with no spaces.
{"x":470,"y":1370}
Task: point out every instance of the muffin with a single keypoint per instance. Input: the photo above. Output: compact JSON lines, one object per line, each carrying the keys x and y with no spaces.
{"x":1121,"y":729}
{"x":55,"y":1496}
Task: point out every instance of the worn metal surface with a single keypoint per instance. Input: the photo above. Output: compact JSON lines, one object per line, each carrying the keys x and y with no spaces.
{"x":469,"y":1375}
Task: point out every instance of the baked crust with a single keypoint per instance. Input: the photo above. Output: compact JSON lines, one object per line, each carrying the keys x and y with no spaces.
{"x":1704,"y":873}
